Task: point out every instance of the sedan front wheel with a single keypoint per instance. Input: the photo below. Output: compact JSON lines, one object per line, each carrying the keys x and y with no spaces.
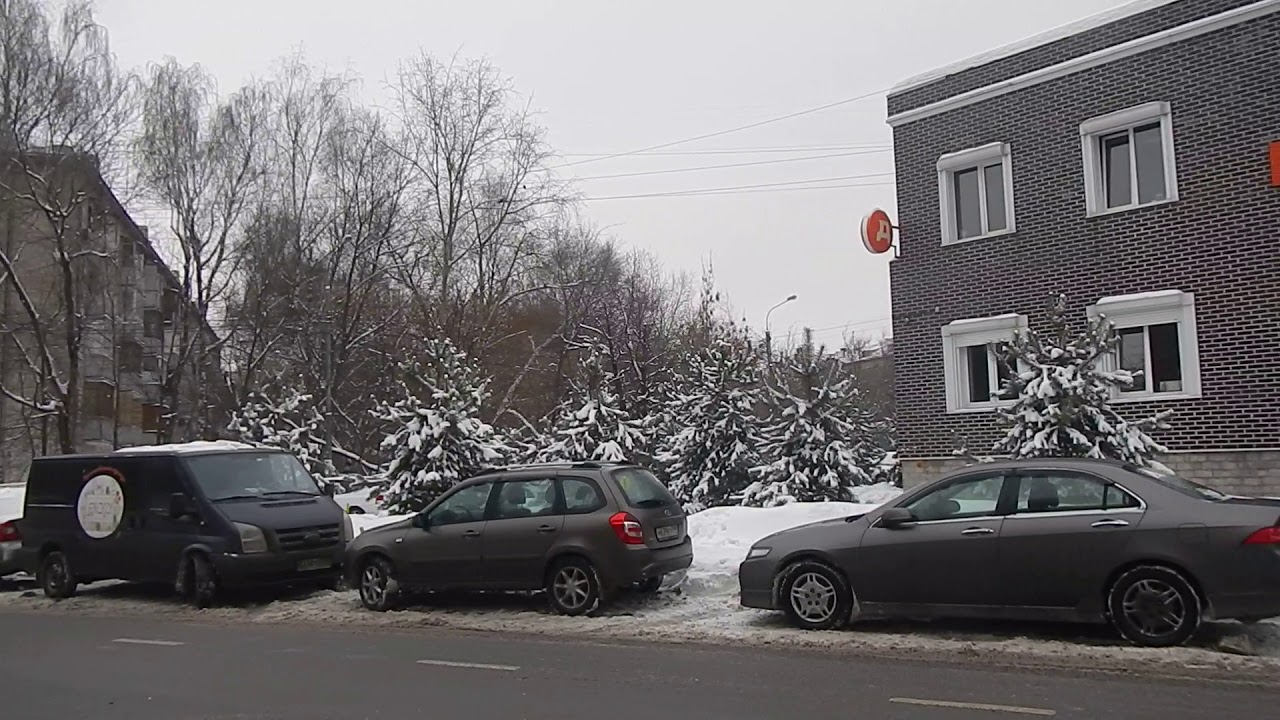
{"x":816,"y":596}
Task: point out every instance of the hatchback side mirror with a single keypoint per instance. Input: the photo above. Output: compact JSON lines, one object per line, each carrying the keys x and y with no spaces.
{"x":896,"y":518}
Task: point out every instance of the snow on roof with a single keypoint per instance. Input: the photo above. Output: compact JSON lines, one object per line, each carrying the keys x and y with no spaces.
{"x":1116,"y":299}
{"x":189,"y":447}
{"x":1109,"y":16}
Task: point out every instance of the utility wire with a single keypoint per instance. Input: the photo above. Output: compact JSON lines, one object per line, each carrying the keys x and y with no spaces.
{"x":719,"y":133}
{"x":729,"y":165}
{"x":747,"y":189}
{"x":744,"y":151}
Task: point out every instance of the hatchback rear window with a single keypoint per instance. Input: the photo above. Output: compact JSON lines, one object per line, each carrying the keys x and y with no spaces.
{"x":642,"y":489}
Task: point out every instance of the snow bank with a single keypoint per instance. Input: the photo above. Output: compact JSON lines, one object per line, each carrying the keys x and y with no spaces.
{"x":722,"y":536}
{"x":11,"y":501}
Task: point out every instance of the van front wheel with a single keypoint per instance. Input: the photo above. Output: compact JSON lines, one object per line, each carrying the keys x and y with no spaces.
{"x":55,"y":576}
{"x":202,"y":579}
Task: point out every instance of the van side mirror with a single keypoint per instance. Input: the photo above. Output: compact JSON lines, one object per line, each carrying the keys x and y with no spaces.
{"x":896,"y":518}
{"x":180,"y":506}
{"x":329,"y":490}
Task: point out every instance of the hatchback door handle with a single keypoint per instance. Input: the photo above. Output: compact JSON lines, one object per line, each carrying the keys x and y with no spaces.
{"x":1111,"y":522}
{"x":978,"y":531}
{"x":471,"y":533}
{"x":546,"y":529}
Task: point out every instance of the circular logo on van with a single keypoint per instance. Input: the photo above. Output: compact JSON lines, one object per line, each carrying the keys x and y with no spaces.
{"x":101,"y":505}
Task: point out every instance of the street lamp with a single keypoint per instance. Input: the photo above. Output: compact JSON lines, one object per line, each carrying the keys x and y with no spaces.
{"x":768,"y":338}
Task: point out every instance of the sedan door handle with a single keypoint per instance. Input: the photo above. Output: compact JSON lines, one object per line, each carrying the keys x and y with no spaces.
{"x":1111,"y":522}
{"x":471,"y":533}
{"x":546,"y":529}
{"x":978,"y":531}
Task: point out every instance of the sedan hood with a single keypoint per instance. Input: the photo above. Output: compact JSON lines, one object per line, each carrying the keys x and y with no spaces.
{"x":800,"y":534}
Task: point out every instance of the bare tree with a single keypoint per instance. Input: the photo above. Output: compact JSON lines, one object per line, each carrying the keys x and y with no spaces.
{"x":64,"y":106}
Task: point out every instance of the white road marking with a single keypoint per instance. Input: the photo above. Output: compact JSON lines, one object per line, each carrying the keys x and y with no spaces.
{"x":976,"y":706}
{"x":473,"y":666}
{"x":136,"y":641}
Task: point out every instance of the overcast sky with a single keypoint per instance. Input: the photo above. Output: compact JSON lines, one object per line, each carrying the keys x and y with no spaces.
{"x":608,"y":76}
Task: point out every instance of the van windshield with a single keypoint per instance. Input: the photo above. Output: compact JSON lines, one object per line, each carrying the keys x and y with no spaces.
{"x":250,"y":476}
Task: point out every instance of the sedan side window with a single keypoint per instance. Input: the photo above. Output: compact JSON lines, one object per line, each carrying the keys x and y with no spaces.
{"x":967,"y":497}
{"x":466,"y":505}
{"x":1042,"y":492}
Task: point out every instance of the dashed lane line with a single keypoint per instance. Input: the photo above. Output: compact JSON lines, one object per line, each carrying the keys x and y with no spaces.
{"x":138,"y":641}
{"x":1014,"y":709}
{"x":473,"y":666}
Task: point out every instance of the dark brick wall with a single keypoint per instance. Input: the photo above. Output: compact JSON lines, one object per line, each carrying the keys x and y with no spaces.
{"x":1130,"y":28}
{"x":1221,"y":240}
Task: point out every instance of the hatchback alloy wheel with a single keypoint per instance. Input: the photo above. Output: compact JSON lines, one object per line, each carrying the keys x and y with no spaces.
{"x":572,"y":587}
{"x":378,"y":586}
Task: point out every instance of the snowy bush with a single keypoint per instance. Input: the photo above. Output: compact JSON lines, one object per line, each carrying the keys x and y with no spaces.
{"x":710,"y":456}
{"x":291,"y":423}
{"x":440,"y":439}
{"x":1064,"y":392}
{"x":592,"y":425}
{"x":822,"y":442}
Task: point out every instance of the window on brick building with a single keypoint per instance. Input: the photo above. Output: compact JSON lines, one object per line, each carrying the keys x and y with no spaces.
{"x":1156,"y":343}
{"x":130,"y":357}
{"x":1128,"y":159}
{"x":975,"y":372}
{"x":99,"y":400}
{"x":975,"y":191}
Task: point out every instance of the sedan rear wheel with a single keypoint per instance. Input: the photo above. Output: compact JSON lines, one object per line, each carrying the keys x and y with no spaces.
{"x":816,"y":596}
{"x":1154,"y":606}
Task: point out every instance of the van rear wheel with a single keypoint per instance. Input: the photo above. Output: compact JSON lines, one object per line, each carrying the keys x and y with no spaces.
{"x":55,"y":576}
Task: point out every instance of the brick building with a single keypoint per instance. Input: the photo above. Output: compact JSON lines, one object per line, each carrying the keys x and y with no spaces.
{"x":127,"y":297}
{"x":1122,"y":161}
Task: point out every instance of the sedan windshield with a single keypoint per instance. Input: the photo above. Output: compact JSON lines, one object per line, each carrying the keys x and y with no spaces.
{"x":251,"y":476}
{"x":1184,"y":486}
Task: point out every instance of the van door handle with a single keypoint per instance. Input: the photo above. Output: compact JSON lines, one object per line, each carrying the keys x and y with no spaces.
{"x":1111,"y":522}
{"x":978,"y":531}
{"x":546,"y":529}
{"x":471,"y":533}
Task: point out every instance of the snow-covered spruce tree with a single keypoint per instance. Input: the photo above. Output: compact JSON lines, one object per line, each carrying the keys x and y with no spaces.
{"x":591,"y":424}
{"x":292,"y":422}
{"x":1064,"y":393}
{"x":710,"y":457}
{"x":821,"y":443}
{"x":440,"y":439}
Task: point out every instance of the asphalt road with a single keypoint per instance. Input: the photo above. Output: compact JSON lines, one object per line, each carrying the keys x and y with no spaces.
{"x":61,"y":666}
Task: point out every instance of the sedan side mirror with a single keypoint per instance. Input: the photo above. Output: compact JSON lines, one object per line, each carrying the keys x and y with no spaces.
{"x":896,"y":518}
{"x":422,"y":521}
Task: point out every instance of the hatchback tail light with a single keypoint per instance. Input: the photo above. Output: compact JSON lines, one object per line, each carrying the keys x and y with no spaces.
{"x":9,"y":532}
{"x":1265,"y":536}
{"x":627,"y":528}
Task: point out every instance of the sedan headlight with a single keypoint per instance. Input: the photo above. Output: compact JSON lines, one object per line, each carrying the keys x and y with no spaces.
{"x":756,"y":553}
{"x":348,"y":530}
{"x":252,"y":539}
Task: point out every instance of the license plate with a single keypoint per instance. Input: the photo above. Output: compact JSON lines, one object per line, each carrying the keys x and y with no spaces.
{"x":670,"y":532}
{"x":311,"y":565}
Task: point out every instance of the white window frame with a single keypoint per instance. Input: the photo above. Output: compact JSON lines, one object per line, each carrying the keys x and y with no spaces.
{"x":974,"y":158}
{"x":960,"y":334}
{"x":1156,"y":308}
{"x":1094,"y":130}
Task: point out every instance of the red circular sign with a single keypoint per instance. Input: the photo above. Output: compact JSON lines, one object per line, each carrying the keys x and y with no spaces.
{"x":877,"y":232}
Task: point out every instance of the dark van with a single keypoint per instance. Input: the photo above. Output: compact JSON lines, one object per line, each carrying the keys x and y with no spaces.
{"x":199,"y":516}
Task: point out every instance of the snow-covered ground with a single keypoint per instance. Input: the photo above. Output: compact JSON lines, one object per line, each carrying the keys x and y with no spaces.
{"x":705,"y":609}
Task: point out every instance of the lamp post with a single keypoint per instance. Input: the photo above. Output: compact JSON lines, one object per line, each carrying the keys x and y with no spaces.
{"x":768,"y":338}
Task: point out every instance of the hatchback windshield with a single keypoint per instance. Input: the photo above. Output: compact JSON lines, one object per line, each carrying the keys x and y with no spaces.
{"x":251,"y":476}
{"x":642,"y":489}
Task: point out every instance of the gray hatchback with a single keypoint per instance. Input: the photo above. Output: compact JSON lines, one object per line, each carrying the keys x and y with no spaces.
{"x":1052,"y":539}
{"x":578,"y":531}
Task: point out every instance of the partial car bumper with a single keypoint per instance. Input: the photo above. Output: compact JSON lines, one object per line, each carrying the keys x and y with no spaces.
{"x":1255,"y":605}
{"x":641,"y":563}
{"x":277,"y":568}
{"x":9,"y":560}
{"x":755,"y":584}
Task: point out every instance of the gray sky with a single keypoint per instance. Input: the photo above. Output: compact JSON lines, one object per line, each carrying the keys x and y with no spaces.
{"x":609,"y":77}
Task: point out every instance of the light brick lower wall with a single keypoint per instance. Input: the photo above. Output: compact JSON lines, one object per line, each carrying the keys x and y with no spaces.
{"x":1242,"y":472}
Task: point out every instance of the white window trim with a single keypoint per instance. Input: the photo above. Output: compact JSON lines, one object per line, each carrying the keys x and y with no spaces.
{"x":973,"y":158}
{"x":963,"y":333}
{"x":1091,"y":133}
{"x":1172,"y":306}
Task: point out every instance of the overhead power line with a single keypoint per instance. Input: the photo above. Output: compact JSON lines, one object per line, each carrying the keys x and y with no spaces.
{"x":744,"y":151}
{"x":732,"y":189}
{"x":721,"y":133}
{"x":729,"y":165}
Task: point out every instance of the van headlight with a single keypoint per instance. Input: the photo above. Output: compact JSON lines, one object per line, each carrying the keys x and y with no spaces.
{"x":348,"y":529}
{"x":252,"y":539}
{"x":756,"y":553}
